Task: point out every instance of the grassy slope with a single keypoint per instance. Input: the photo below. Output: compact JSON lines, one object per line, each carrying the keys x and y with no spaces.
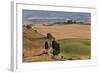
{"x":75,"y":47}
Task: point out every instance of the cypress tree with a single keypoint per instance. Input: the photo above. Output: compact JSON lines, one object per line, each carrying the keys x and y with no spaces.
{"x":56,"y":50}
{"x":46,"y":45}
{"x":53,"y":44}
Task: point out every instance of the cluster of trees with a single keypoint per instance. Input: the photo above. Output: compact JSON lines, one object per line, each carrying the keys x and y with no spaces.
{"x":55,"y":45}
{"x":28,"y":26}
{"x":71,"y":22}
{"x":75,"y":22}
{"x":68,"y":22}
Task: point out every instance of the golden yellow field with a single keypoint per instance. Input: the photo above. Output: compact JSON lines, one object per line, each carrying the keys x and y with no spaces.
{"x":66,"y":31}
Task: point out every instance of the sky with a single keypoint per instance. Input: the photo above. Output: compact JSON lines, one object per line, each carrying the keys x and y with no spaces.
{"x":37,"y":16}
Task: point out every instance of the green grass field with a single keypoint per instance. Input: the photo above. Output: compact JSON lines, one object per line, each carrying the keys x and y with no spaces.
{"x":75,"y":47}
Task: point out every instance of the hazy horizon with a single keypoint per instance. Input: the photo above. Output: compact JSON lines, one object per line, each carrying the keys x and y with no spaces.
{"x":40,"y":16}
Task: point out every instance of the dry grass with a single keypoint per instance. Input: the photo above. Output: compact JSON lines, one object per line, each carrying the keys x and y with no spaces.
{"x":66,"y":31}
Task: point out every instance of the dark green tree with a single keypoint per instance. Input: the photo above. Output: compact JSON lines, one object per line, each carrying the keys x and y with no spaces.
{"x":49,"y":36}
{"x":53,"y":44}
{"x":28,"y":26}
{"x":69,"y":21}
{"x":56,"y":50}
{"x":46,"y":45}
